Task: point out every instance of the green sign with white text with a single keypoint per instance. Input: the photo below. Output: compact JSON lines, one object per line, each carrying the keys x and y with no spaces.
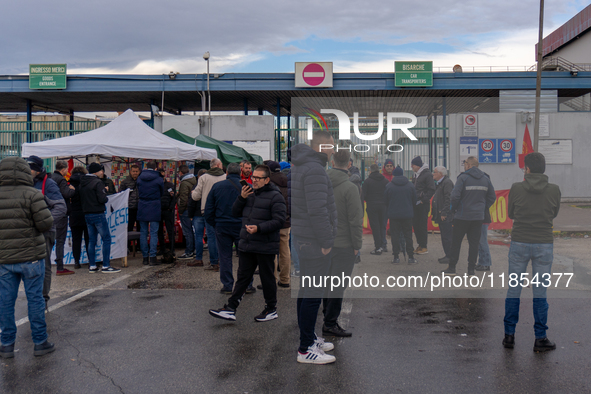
{"x":413,"y":74}
{"x":47,"y":76}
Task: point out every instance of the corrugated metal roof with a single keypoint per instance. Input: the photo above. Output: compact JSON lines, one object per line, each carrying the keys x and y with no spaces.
{"x":575,"y":27}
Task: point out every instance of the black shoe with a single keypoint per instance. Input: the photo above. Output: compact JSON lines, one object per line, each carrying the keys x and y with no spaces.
{"x":336,"y":331}
{"x":260,"y":287}
{"x":269,"y":313}
{"x":146,"y":261}
{"x":7,"y":351}
{"x":444,"y":260}
{"x":449,"y":271}
{"x":284,"y":285}
{"x":385,"y":249}
{"x":509,"y":341}
{"x":396,"y":260}
{"x":225,"y":291}
{"x":471,"y":272}
{"x":77,"y":266}
{"x":412,"y":260}
{"x":44,"y":348}
{"x":543,"y":345}
{"x":154,"y":261}
{"x":482,"y":268}
{"x":357,"y":259}
{"x":251,"y":290}
{"x":225,"y":313}
{"x":377,"y":251}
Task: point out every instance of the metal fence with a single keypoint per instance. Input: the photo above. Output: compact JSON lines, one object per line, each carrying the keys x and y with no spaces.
{"x":14,"y":134}
{"x":430,"y":145}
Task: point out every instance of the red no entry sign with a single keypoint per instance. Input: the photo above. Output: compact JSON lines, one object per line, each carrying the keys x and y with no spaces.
{"x":487,"y":145}
{"x":314,"y":74}
{"x":506,"y":145}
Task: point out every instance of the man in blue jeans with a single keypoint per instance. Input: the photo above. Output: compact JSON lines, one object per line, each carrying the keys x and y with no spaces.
{"x":24,"y":219}
{"x":533,"y":204}
{"x":150,"y":186}
{"x":218,"y":214}
{"x":93,"y":194}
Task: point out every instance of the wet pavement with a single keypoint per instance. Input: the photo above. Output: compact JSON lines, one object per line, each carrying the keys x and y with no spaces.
{"x":148,"y":331}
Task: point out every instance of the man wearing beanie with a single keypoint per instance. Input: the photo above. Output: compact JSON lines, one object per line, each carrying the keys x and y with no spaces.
{"x":93,"y":194}
{"x":57,"y":207}
{"x":425,"y":188}
{"x":400,"y":199}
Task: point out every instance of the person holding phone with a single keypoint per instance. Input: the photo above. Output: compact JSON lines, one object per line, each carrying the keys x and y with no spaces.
{"x":263,"y":212}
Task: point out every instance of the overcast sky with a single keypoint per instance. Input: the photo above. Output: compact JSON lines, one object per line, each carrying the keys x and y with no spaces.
{"x":155,"y":37}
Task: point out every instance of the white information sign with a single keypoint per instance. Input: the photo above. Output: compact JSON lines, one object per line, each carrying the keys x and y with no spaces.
{"x":117,"y":219}
{"x":544,"y":125}
{"x":470,"y":125}
{"x":556,"y":151}
{"x":261,"y":148}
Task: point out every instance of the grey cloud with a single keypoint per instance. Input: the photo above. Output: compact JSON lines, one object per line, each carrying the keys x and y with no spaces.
{"x":120,"y":34}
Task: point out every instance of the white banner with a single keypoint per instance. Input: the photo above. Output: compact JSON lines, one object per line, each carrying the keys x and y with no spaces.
{"x":117,"y":219}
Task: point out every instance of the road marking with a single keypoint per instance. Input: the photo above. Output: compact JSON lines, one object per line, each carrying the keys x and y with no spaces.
{"x":80,"y":295}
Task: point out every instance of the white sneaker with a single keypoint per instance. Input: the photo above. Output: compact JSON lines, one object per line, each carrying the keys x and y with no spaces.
{"x":315,"y":355}
{"x":325,"y":346}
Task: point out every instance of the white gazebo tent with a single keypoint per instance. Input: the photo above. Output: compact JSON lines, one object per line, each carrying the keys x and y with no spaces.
{"x":126,"y":136}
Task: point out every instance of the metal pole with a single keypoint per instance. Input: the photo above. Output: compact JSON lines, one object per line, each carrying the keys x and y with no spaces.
{"x":430,"y":141}
{"x":539,"y":76}
{"x":444,"y":134}
{"x":245,"y":106}
{"x":278,"y":155}
{"x":288,"y":131}
{"x":209,"y":100}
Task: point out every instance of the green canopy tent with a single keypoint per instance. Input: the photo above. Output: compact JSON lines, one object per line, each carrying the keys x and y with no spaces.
{"x":227,"y":153}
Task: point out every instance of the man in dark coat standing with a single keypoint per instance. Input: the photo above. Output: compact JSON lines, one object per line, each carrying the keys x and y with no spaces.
{"x":130,"y":182}
{"x":150,"y":189}
{"x":24,"y":218}
{"x":440,"y":210}
{"x":218,"y":214}
{"x":61,"y":226}
{"x":167,"y":203}
{"x":373,"y":194}
{"x":401,"y":197}
{"x":314,"y":227}
{"x":94,"y":197}
{"x":472,"y":194}
{"x":425,"y":187}
{"x":263,"y":211}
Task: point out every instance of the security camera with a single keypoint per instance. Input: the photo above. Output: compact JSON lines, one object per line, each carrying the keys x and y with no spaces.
{"x":206,"y":55}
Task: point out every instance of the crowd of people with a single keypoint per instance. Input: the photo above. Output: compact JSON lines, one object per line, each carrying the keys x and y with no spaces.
{"x":278,"y":218}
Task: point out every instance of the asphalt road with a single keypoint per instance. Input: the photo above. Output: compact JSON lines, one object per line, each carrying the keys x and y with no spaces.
{"x":150,"y":333}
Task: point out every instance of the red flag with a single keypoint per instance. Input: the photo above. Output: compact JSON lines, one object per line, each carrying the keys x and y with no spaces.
{"x":526,"y":148}
{"x":70,"y":168}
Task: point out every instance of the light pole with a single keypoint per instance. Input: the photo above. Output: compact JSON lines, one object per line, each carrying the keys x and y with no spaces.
{"x":206,"y":58}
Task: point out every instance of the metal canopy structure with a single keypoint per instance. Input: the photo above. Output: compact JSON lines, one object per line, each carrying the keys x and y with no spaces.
{"x":261,"y":92}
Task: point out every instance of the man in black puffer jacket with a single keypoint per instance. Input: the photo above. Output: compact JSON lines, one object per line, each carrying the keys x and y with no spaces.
{"x":314,"y":226}
{"x":373,"y":194}
{"x":167,"y":203}
{"x":263,"y":213}
{"x":401,"y":197}
{"x":24,"y":218}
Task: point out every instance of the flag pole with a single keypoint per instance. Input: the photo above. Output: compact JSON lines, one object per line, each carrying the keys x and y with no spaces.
{"x":539,"y":76}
